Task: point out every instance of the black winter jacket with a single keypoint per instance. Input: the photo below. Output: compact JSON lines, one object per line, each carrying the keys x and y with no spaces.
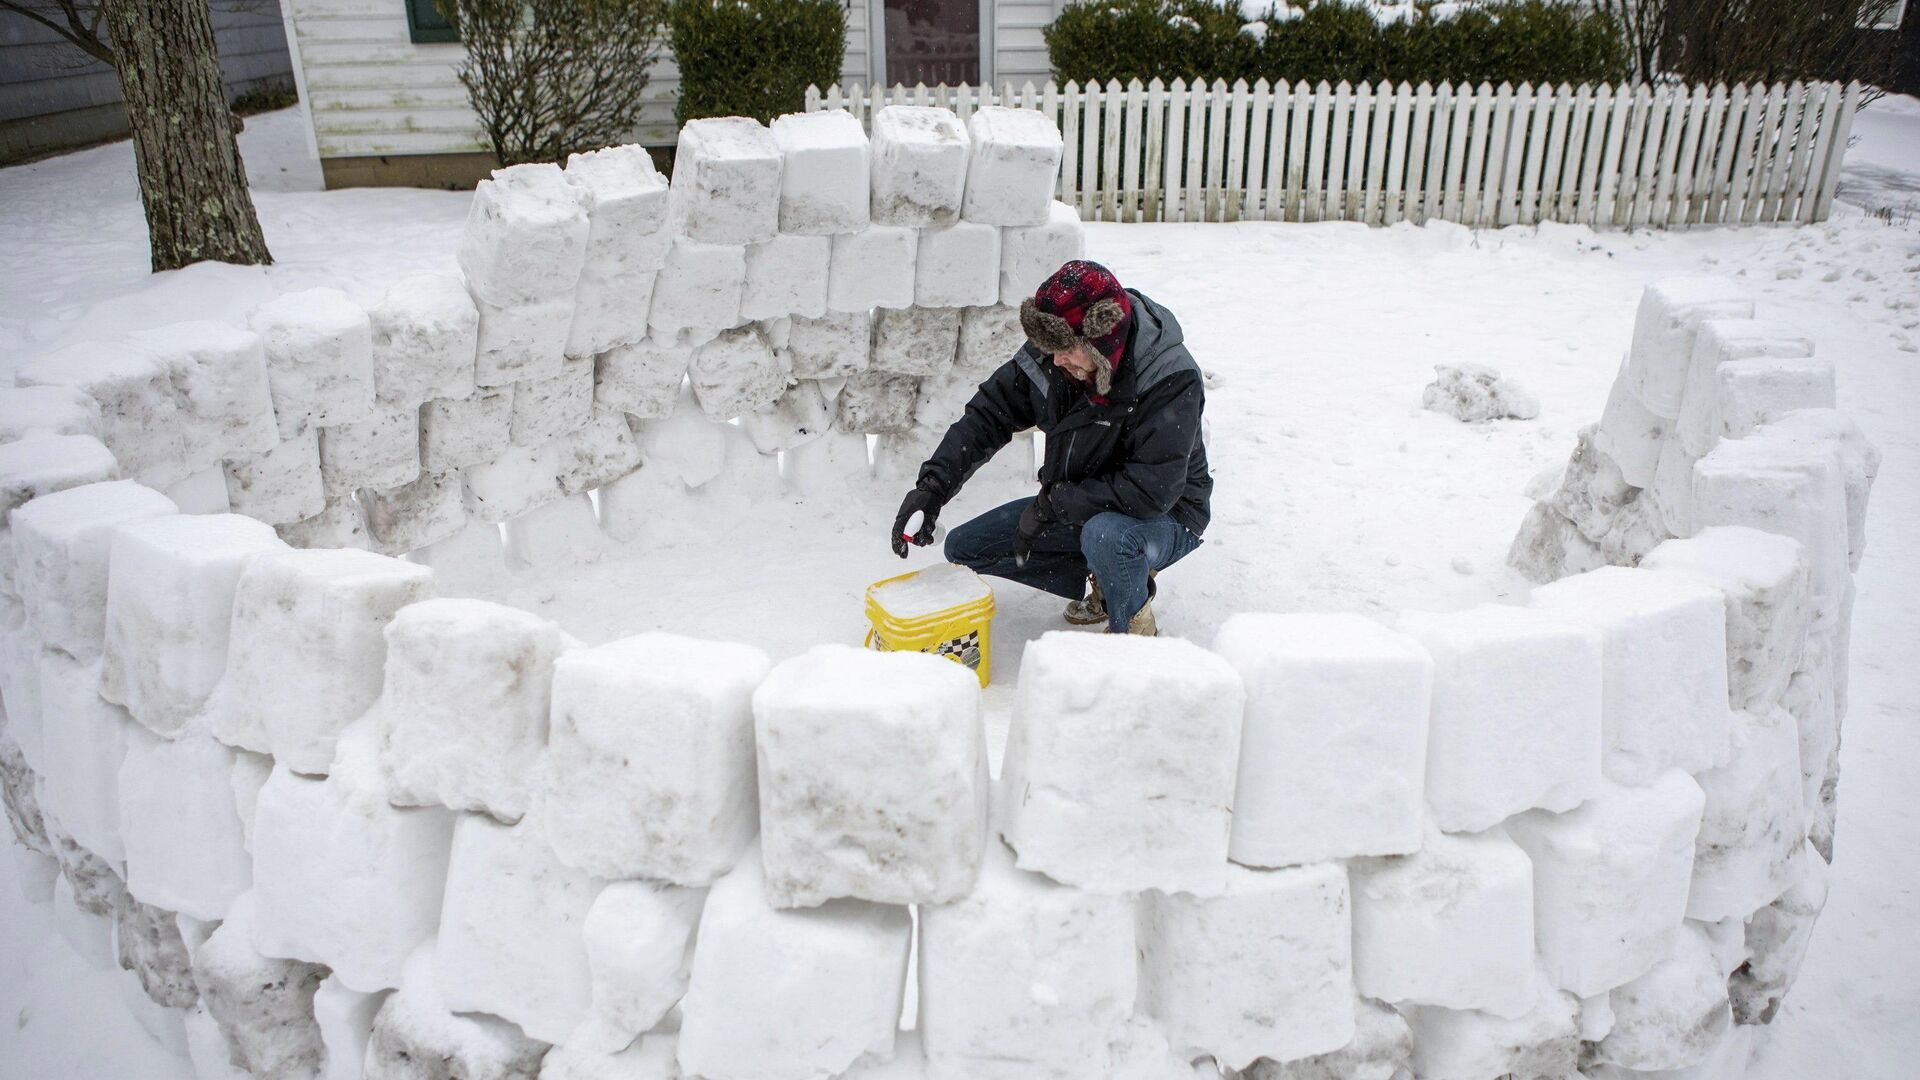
{"x":1139,"y":454}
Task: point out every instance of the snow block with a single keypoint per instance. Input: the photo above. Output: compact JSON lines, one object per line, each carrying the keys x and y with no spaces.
{"x":872,"y":268}
{"x":650,"y":1058}
{"x":312,"y":621}
{"x":249,"y":774}
{"x":513,"y":483}
{"x":382,"y":451}
{"x":170,"y":592}
{"x":643,"y":379}
{"x":21,"y":790}
{"x":1516,"y":718}
{"x":219,"y":379}
{"x":917,"y":341}
{"x":650,"y":761}
{"x":787,"y":275}
{"x":919,"y":156}
{"x":416,"y":1036}
{"x":1030,"y":254}
{"x":833,"y":346}
{"x":281,"y":486}
{"x":873,"y":778}
{"x":1592,"y":491}
{"x":264,"y":1006}
{"x":205,"y":492}
{"x":1024,"y":978}
{"x":522,"y":341}
{"x":1672,"y":490}
{"x":558,"y":533}
{"x":1120,"y":766}
{"x":597,"y":454}
{"x":1754,"y":823}
{"x":1672,"y":1016}
{"x":1450,"y":1044}
{"x":1670,"y":313}
{"x":957,"y":265}
{"x":1224,"y":984}
{"x":626,"y":202}
{"x":60,"y":545}
{"x":81,"y":750}
{"x":147,"y":942}
{"x":1776,"y":941}
{"x":1664,"y":639}
{"x":1016,"y":158}
{"x":989,"y":337}
{"x":876,"y":403}
{"x":342,"y":524}
{"x":426,"y":331}
{"x":474,"y":555}
{"x":609,"y":312}
{"x":639,"y":937}
{"x":37,"y":467}
{"x":457,"y":432}
{"x":90,"y":936}
{"x":1781,"y":485}
{"x":27,"y":411}
{"x":1637,"y":530}
{"x":138,"y":414}
{"x":92,"y":885}
{"x":526,"y":236}
{"x":700,"y":287}
{"x":425,"y":511}
{"x":825,"y":175}
{"x":544,"y":409}
{"x":1333,"y":751}
{"x":1449,"y":925}
{"x":1859,"y":463}
{"x":319,"y":347}
{"x":1749,"y":393}
{"x":798,"y":417}
{"x":726,"y":182}
{"x":1610,"y":880}
{"x":828,"y":466}
{"x":1382,"y":1049}
{"x":186,"y":851}
{"x":736,"y":373}
{"x":207,"y":1047}
{"x":1763,"y":578}
{"x":776,"y":994}
{"x":683,"y":447}
{"x":510,"y":931}
{"x":345,"y":1018}
{"x":20,"y":651}
{"x":1717,"y":342}
{"x":1629,"y":434}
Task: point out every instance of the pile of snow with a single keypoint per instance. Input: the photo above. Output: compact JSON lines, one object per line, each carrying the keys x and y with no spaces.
{"x":1473,"y":393}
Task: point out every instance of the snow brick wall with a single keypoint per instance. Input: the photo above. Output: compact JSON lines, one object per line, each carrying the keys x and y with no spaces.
{"x":1582,"y":835}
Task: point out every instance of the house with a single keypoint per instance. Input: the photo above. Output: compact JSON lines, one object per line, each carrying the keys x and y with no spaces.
{"x":385,"y":107}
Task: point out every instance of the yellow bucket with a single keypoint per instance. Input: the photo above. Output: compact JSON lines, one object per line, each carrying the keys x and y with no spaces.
{"x":944,"y":610}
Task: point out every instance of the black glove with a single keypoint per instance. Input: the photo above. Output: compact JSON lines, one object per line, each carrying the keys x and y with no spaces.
{"x":927,"y":504}
{"x":1036,"y":517}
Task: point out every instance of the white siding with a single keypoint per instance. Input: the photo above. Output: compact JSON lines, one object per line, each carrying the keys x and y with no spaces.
{"x":1019,"y":52}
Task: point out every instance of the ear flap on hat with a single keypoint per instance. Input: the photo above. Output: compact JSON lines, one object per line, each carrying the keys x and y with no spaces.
{"x":1101,"y":318}
{"x":1049,"y":333}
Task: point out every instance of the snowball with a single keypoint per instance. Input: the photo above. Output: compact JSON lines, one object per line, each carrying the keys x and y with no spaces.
{"x":701,"y":285}
{"x":526,"y":236}
{"x":726,"y":181}
{"x":1382,"y":1049}
{"x":148,"y":943}
{"x":597,"y":454}
{"x":736,"y":373}
{"x":1119,"y":768}
{"x":264,"y":1006}
{"x":281,"y":486}
{"x":513,"y":483}
{"x":319,"y":347}
{"x":957,"y":265}
{"x":1664,"y":327}
{"x":824,"y":180}
{"x":642,"y":379}
{"x":876,"y":403}
{"x":219,"y":379}
{"x":1450,"y":1044}
{"x":340,"y":877}
{"x":787,"y":275}
{"x":1475,"y":393}
{"x":799,"y":416}
{"x":626,"y":202}
{"x":312,"y":621}
{"x":1672,"y":1016}
{"x":1780,"y":485}
{"x":426,"y":331}
{"x":60,"y":545}
{"x":917,"y":341}
{"x":873,"y":777}
{"x":428,"y":510}
{"x":1754,"y":823}
{"x":170,"y":590}
{"x":1610,"y":880}
{"x":872,"y":268}
{"x":833,"y":346}
{"x":1859,"y":462}
{"x":1333,"y":752}
{"x":40,"y":467}
{"x":790,"y":993}
{"x":1030,"y":254}
{"x":609,"y":311}
{"x":345,"y":1019}
{"x":457,"y":432}
{"x":1016,"y":158}
{"x":1749,"y":393}
{"x":1775,"y":942}
{"x":185,"y":848}
{"x":1592,"y":490}
{"x":463,"y":713}
{"x":1716,"y":342}
{"x":1224,"y":984}
{"x":1449,"y":925}
{"x":1516,"y":718}
{"x":544,"y":409}
{"x":139,"y":417}
{"x":650,"y":766}
{"x":639,"y":938}
{"x":46,"y":410}
{"x":1664,"y":647}
{"x":382,"y":451}
{"x":416,"y":1036}
{"x":1629,"y":433}
{"x":510,"y":932}
{"x":81,"y":751}
{"x":342,"y":524}
{"x":919,"y":156}
{"x":1764,"y":581}
{"x":522,"y":341}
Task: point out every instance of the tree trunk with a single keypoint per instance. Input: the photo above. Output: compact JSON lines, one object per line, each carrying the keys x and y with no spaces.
{"x":192,"y":183}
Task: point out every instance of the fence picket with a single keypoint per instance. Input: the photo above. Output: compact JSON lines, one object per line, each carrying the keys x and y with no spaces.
{"x":1510,"y":136}
{"x":1381,"y":156}
{"x":1134,"y":198}
{"x":1812,"y":119}
{"x":1236,"y":182}
{"x":1070,"y":144}
{"x":1792,"y":120}
{"x":1765,"y":147}
{"x":1558,"y":109}
{"x":1341,"y":106}
{"x":1154,"y":183}
{"x":1353,"y":191}
{"x":1433,"y":196}
{"x":1176,"y":151}
{"x":1303,"y":99}
{"x":1110,"y":136}
{"x":1259,"y":108}
{"x":1700,"y":188}
{"x":1663,"y":142}
{"x":1836,"y":147}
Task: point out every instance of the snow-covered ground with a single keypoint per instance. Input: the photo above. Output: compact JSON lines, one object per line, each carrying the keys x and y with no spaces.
{"x":1335,"y":490}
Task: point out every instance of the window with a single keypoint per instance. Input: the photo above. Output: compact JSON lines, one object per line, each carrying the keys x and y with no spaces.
{"x":1888,"y":19}
{"x":426,"y":24}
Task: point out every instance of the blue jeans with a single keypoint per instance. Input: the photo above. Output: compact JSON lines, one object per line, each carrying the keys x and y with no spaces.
{"x":1117,"y":549}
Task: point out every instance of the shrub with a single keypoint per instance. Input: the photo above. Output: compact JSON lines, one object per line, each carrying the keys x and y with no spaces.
{"x":753,"y":57}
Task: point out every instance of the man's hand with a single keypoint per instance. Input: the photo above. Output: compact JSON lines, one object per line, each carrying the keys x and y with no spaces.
{"x":1036,"y":517}
{"x":927,"y":505}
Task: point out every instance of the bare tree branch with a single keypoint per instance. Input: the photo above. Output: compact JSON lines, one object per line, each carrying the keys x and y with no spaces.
{"x":82,"y":35}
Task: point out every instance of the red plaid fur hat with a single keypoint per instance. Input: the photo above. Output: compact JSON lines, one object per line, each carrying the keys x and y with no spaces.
{"x":1082,"y":303}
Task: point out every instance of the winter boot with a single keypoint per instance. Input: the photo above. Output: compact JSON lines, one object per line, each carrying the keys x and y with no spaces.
{"x":1093,"y":609}
{"x":1142,"y":624}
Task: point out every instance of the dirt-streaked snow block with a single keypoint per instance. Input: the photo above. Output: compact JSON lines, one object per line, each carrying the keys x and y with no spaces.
{"x":1629,"y":433}
{"x":93,"y":886}
{"x":20,"y":793}
{"x":81,"y":750}
{"x":139,"y":417}
{"x":873,"y":777}
{"x":1782,"y":485}
{"x":609,"y":311}
{"x":1450,"y":1044}
{"x":513,"y":483}
{"x":522,"y":341}
{"x":1120,"y":766}
{"x":382,"y":451}
{"x":1024,"y":978}
{"x":1592,"y":491}
{"x":312,"y":621}
{"x":1672,"y":1016}
{"x":726,"y":181}
{"x":47,"y":410}
{"x":463,"y":712}
{"x":1610,"y":880}
{"x":872,"y":268}
{"x":1225,"y":985}
{"x":345,"y":1017}
{"x":1333,"y":752}
{"x":186,"y":850}
{"x":700,"y":287}
{"x":1664,"y":328}
{"x":1720,"y":341}
{"x":1015,"y":160}
{"x":1449,"y":925}
{"x":61,"y":543}
{"x":787,"y":275}
{"x":1859,"y":462}
{"x":526,"y":236}
{"x":148,"y":943}
{"x":544,"y":409}
{"x":833,"y":346}
{"x":342,"y":524}
{"x":650,"y":760}
{"x":642,"y":379}
{"x":916,"y":341}
{"x":1755,"y":820}
{"x":957,"y":265}
{"x":264,"y":1006}
{"x":511,"y":941}
{"x":281,"y":486}
{"x":639,"y":937}
{"x":457,"y":432}
{"x":1516,"y":718}
{"x":319,"y":347}
{"x":989,"y":336}
{"x":219,"y":378}
{"x":798,"y":417}
{"x":39,"y":467}
{"x":1381,"y":1049}
{"x":736,"y":373}
{"x":919,"y":156}
{"x":342,"y":878}
{"x":1749,"y":393}
{"x":825,"y":178}
{"x":876,"y":403}
{"x":626,"y":202}
{"x":1776,"y":942}
{"x":427,"y":510}
{"x":1763,"y":578}
{"x":1030,"y":254}
{"x":426,"y":331}
{"x":602,"y":451}
{"x":417,"y":1036}
{"x":789,"y":994}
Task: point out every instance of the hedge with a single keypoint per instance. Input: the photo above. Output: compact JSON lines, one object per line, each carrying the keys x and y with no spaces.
{"x":753,"y":57}
{"x":1533,"y":41}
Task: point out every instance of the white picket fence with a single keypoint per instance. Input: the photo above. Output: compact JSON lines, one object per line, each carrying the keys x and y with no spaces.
{"x":1620,"y":156}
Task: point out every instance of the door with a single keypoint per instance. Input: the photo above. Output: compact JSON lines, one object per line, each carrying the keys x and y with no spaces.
{"x":933,"y":42}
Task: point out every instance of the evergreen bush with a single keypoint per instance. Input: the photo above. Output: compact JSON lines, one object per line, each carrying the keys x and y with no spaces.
{"x":753,"y":57}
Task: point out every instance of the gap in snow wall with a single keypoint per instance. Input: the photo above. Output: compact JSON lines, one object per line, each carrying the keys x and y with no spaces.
{"x":333,"y":826}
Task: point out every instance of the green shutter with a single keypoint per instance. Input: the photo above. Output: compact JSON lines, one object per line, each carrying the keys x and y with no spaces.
{"x":426,"y":24}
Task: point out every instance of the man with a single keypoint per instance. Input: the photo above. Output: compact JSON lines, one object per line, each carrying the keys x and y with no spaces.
{"x":1124,"y":487}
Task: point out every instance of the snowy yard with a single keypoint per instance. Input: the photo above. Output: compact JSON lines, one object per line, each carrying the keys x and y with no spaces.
{"x":1334,"y":490}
